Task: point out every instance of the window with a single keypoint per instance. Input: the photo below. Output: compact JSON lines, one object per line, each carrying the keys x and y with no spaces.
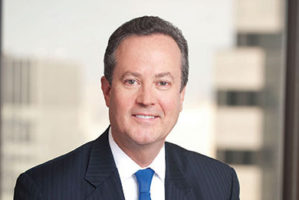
{"x":238,"y":157}
{"x":238,"y":98}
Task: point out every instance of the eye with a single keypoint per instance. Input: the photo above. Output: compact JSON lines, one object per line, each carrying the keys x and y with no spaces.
{"x":163,"y":84}
{"x":130,"y":82}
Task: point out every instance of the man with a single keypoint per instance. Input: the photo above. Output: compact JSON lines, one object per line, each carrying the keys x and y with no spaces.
{"x":146,"y":72}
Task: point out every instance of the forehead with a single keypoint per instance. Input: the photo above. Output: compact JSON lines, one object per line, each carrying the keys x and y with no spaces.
{"x":165,"y":42}
{"x":156,"y":49}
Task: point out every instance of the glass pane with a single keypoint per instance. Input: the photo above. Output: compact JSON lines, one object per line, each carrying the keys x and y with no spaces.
{"x":248,"y":88}
{"x":52,"y":101}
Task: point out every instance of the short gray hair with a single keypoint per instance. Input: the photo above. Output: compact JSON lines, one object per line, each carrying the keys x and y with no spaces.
{"x":146,"y":25}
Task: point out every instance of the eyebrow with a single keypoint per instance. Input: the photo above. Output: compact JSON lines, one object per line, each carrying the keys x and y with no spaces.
{"x":163,"y":74}
{"x":130,"y":74}
{"x":136,"y":74}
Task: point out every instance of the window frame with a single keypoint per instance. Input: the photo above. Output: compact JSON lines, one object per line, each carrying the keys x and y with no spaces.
{"x":1,"y":54}
{"x":291,"y":112}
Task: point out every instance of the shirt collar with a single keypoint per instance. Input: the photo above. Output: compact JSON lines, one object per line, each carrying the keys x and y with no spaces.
{"x":127,"y":167}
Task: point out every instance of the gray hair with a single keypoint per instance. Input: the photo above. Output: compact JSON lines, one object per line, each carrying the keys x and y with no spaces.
{"x":145,"y":25}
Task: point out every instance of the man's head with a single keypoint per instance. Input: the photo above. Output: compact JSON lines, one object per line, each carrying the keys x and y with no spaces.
{"x":143,"y":85}
{"x":146,"y":25}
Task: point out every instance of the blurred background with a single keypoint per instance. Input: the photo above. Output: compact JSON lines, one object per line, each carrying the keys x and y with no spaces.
{"x":53,"y":61}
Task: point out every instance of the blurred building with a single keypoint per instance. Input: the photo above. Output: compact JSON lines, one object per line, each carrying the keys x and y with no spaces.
{"x":248,"y":85}
{"x":41,"y":100}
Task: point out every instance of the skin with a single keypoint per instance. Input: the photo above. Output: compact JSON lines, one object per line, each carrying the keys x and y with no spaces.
{"x":144,"y":98}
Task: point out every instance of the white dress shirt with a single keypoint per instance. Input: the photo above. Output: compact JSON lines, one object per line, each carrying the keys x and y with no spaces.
{"x":127,"y":168}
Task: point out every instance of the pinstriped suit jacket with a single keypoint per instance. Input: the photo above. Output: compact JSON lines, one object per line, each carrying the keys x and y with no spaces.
{"x":89,"y":173}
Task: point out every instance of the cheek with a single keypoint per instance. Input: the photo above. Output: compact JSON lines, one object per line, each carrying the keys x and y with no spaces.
{"x":121,"y":101}
{"x":171,"y":105}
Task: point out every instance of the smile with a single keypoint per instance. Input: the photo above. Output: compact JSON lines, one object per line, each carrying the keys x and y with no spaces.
{"x":145,"y":116}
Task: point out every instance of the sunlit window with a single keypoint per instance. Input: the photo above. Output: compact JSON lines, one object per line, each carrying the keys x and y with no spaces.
{"x":53,"y":61}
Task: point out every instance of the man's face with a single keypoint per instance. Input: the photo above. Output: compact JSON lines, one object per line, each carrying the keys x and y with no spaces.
{"x":144,"y":98}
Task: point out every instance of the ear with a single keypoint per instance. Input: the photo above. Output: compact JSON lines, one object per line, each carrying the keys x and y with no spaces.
{"x":106,"y":88}
{"x":182,"y":96}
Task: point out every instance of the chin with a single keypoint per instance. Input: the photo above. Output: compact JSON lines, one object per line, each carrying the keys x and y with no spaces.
{"x":148,"y":138}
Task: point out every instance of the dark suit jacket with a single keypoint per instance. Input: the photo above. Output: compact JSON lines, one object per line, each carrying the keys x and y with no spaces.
{"x":89,"y":172}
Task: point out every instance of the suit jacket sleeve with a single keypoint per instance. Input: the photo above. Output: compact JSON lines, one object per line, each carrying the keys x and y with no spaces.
{"x":26,"y":189}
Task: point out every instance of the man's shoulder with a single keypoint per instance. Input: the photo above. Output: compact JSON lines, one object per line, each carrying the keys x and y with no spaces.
{"x":47,"y":180}
{"x":73,"y":160}
{"x":217,"y":179}
{"x":60,"y":164}
{"x":70,"y":176}
{"x":188,"y":158}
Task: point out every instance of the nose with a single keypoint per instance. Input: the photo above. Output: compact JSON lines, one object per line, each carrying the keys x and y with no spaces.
{"x":145,"y":96}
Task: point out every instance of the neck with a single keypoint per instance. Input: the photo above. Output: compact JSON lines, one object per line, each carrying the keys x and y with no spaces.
{"x":141,"y":154}
{"x":144,"y":155}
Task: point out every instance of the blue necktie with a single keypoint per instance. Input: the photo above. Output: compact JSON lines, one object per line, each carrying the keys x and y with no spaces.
{"x":144,"y":179}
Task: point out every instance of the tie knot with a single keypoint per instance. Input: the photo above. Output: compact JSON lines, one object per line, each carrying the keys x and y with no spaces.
{"x":144,"y":179}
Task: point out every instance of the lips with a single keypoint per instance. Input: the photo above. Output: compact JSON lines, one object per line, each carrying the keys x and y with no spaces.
{"x":145,"y":116}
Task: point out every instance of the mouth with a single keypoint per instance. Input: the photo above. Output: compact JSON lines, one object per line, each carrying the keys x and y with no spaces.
{"x":145,"y":116}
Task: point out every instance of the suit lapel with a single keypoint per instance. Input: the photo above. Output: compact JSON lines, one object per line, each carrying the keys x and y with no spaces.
{"x":103,"y":176}
{"x":176,"y":185}
{"x":102,"y":173}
